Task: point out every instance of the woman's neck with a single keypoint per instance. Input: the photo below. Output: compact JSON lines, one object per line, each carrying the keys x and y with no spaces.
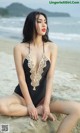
{"x":37,"y":41}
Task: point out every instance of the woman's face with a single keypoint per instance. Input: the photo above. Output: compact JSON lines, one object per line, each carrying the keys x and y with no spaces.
{"x":41,"y":25}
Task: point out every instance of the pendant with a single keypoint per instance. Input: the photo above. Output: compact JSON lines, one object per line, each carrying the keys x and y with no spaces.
{"x":34,"y":88}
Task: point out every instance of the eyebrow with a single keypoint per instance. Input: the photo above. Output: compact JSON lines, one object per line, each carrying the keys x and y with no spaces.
{"x":41,"y":19}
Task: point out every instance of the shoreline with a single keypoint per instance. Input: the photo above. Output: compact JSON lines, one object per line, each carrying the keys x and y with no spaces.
{"x":7,"y":45}
{"x":67,"y":59}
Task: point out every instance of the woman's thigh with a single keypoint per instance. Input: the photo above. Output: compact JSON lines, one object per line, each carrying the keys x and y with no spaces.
{"x":13,"y":99}
{"x":64,"y":106}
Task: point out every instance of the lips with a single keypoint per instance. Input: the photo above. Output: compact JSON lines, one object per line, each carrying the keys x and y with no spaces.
{"x":44,"y":30}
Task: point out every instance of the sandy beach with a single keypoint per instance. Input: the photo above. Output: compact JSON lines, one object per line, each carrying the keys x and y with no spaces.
{"x":66,"y":83}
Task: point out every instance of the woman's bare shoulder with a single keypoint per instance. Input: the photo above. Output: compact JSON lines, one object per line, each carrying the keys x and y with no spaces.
{"x":21,"y":47}
{"x":52,"y":46}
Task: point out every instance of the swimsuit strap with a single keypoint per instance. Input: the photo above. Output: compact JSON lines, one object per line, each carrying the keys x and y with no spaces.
{"x":43,"y":48}
{"x":29,"y":48}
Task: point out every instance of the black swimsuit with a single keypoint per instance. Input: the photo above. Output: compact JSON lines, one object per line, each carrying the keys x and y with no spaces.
{"x":36,"y":81}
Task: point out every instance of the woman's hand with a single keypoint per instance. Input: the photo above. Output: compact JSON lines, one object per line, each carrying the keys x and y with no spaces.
{"x":32,"y":111}
{"x":46,"y":112}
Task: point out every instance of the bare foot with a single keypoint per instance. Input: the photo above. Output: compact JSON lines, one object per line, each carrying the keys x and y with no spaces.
{"x":40,"y":112}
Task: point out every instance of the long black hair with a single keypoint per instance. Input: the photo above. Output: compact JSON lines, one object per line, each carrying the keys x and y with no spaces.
{"x":29,"y":27}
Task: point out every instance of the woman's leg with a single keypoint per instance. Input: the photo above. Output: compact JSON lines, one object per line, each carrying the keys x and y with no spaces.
{"x":13,"y":105}
{"x":72,"y":111}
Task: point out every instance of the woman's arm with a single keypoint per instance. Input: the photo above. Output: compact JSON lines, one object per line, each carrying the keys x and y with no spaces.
{"x":50,"y":75}
{"x":32,"y":111}
{"x":21,"y":75}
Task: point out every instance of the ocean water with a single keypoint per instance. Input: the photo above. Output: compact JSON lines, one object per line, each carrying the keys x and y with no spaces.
{"x":62,"y":30}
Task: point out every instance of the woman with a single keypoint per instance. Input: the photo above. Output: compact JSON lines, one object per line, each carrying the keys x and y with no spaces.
{"x":35,"y":60}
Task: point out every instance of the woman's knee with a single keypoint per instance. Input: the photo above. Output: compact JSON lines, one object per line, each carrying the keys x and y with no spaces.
{"x":76,"y":109}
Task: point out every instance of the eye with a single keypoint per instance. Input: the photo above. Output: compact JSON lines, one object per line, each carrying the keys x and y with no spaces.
{"x":41,"y":22}
{"x":38,"y":21}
